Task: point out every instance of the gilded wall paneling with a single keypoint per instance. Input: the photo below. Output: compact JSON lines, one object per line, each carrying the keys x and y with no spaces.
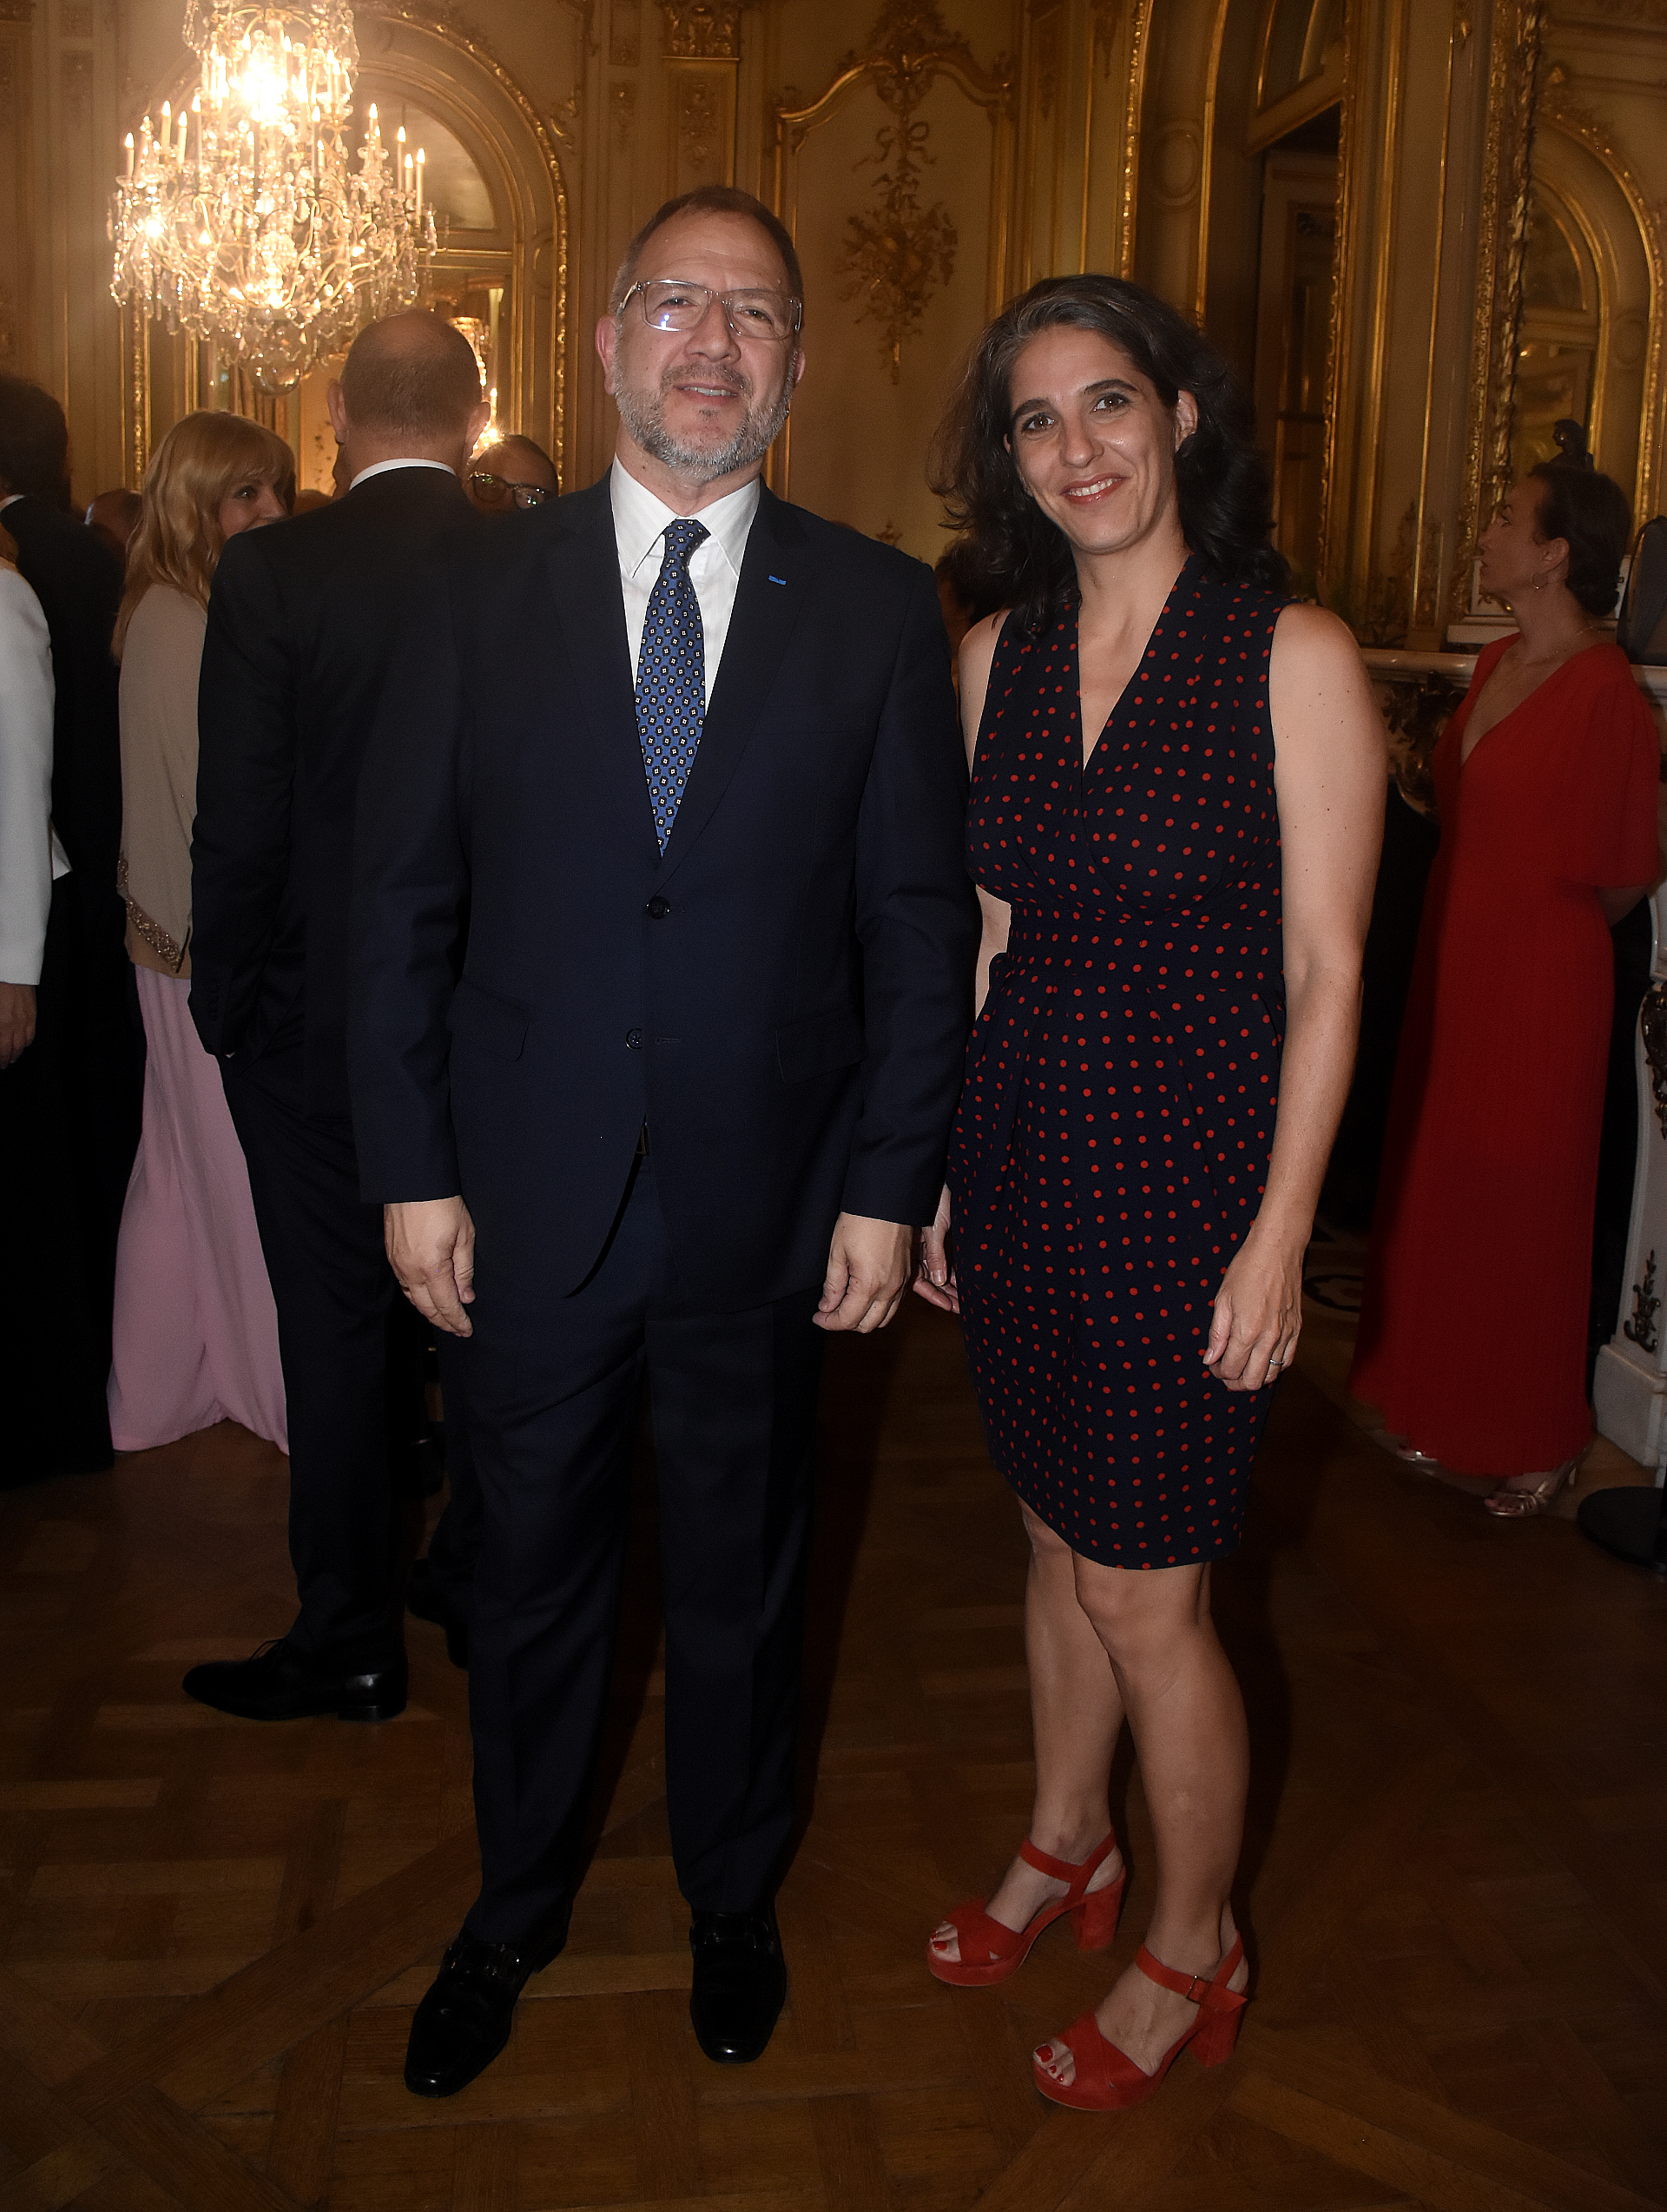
{"x":701,"y":43}
{"x":1119,"y":41}
{"x":896,"y":258}
{"x":1043,"y":136}
{"x":1564,"y":107}
{"x":1514,"y":53}
{"x":917,"y":252}
{"x":625,"y":34}
{"x":74,"y":325}
{"x":1430,"y":547}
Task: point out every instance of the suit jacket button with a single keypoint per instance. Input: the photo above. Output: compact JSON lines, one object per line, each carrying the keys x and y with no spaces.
{"x":633,"y":1040}
{"x":658,"y":908}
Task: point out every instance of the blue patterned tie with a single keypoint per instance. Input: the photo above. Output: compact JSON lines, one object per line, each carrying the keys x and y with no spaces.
{"x":671,"y":677}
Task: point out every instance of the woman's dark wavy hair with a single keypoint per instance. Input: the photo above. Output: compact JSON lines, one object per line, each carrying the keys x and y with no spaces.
{"x":1023,"y":560}
{"x":1593,"y":516}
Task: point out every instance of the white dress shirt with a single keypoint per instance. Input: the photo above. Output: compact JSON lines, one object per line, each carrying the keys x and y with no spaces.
{"x":640,"y":522}
{"x":30,"y":855}
{"x":381,"y":468}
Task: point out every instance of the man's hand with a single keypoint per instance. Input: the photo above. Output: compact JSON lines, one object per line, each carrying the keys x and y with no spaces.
{"x":17,"y":1020}
{"x":868,"y":1264}
{"x":431,"y":1247}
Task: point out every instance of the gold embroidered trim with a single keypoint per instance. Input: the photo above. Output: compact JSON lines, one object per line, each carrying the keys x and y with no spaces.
{"x":165,"y":947}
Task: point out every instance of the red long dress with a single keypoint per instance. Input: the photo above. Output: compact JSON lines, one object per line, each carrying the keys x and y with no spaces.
{"x":1474,"y":1319}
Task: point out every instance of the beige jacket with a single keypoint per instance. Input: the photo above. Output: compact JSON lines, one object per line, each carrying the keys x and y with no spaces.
{"x":160,"y":661}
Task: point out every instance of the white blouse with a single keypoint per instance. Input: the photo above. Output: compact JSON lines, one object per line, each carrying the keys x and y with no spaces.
{"x":30,"y":856}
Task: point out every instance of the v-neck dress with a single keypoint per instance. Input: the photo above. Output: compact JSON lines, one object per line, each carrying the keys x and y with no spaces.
{"x":1111,"y":1144}
{"x":1473,"y":1315}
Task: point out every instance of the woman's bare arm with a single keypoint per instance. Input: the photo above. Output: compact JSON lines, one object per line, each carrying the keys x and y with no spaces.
{"x":1328,"y":776}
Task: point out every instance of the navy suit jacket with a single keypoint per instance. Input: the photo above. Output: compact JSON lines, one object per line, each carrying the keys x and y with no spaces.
{"x":783,"y":997}
{"x":302,"y":621}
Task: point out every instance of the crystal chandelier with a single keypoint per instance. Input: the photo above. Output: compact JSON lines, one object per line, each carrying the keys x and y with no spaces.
{"x":240,"y":221}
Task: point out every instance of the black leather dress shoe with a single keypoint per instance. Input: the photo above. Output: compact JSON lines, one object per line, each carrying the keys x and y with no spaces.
{"x":280,"y":1683}
{"x":464,"y":2022}
{"x":426,"y":1596}
{"x":741,"y":1983}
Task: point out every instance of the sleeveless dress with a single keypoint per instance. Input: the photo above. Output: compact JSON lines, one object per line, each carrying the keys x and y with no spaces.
{"x":1110,"y":1148}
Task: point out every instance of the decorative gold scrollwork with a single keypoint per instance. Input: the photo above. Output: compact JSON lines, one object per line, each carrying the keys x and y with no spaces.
{"x":1653,"y":1023}
{"x":702,"y":30}
{"x":1640,"y":1327}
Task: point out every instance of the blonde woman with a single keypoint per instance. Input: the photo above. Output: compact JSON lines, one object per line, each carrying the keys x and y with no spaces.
{"x":196,"y":1334}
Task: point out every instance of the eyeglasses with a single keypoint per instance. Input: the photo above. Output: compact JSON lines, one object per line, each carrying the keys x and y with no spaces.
{"x":669,"y":304}
{"x":524,"y":495}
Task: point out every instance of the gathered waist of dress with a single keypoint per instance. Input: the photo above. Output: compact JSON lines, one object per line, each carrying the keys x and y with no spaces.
{"x":1058,"y":947}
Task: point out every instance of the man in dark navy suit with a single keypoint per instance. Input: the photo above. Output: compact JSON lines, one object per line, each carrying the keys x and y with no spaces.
{"x":688,"y":758}
{"x":301,"y":632}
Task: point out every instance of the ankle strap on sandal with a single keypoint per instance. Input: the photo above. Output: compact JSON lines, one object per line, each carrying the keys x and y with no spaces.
{"x":1208,"y":1990}
{"x":1061,"y":1870}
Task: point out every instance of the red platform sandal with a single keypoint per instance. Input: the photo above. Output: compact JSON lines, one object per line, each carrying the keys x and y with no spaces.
{"x":1107,"y":2079}
{"x":990,"y":1953}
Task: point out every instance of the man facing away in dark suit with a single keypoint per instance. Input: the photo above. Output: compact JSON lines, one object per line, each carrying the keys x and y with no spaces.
{"x":69,"y":1105}
{"x":301,"y":632}
{"x":688,"y":757}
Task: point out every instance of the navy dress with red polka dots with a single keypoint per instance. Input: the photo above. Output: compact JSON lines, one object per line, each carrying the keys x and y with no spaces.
{"x":1111,"y":1144}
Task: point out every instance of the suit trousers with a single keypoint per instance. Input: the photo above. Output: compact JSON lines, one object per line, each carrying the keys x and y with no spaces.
{"x":554,"y":1390}
{"x":350,"y":1381}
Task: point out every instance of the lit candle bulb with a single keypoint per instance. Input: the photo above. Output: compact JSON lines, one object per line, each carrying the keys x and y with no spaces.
{"x":129,"y":146}
{"x":165,"y":137}
{"x":421,"y":158}
{"x":184,"y":125}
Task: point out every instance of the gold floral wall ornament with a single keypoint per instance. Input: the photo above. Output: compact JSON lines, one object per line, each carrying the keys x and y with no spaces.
{"x":895,"y":258}
{"x":702,"y":30}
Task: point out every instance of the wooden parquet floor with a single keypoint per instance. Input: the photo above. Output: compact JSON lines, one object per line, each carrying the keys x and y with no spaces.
{"x":212,"y":1934}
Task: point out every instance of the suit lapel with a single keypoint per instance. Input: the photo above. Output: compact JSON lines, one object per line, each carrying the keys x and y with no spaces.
{"x":774,"y":576}
{"x":585,"y":577}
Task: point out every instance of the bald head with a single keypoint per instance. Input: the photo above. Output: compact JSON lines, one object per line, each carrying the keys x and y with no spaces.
{"x":410,"y":390}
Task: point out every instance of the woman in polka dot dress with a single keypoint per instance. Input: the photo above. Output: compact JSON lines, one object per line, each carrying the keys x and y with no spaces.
{"x":1164,"y":753}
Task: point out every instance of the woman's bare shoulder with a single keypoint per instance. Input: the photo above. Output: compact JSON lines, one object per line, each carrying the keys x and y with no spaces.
{"x":978,"y":649}
{"x":1311,"y":636}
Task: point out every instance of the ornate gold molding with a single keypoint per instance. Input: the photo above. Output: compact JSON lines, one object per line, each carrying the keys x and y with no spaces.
{"x":701,"y":30}
{"x":546,"y":130}
{"x":1106,"y":13}
{"x":896,"y":256}
{"x":1561,"y":105}
{"x":1502,"y":236}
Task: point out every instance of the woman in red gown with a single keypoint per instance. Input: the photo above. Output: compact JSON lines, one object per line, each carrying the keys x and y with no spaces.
{"x":1473,"y":1320}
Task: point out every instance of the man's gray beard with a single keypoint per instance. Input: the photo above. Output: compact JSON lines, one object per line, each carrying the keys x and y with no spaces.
{"x":645,"y":418}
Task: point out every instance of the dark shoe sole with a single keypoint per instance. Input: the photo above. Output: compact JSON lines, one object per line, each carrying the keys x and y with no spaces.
{"x":389,"y":1711}
{"x":432,"y":2086}
{"x":735,"y":2057}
